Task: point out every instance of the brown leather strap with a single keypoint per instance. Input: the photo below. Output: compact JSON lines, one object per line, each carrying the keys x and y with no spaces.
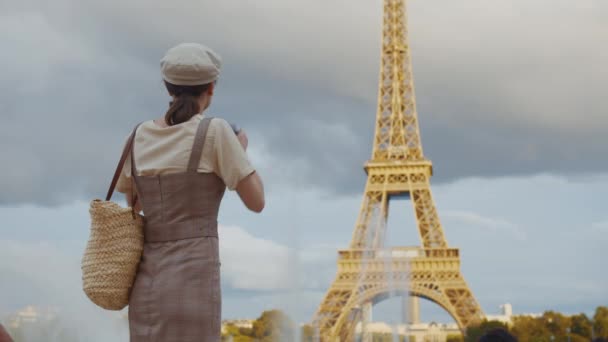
{"x":134,"y":196}
{"x":197,"y":146}
{"x":121,"y":163}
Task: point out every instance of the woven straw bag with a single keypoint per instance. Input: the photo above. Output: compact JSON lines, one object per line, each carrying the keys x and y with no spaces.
{"x":114,"y":248}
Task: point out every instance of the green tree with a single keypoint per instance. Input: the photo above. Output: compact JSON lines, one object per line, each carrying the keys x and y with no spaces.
{"x":577,"y":338}
{"x":230,"y":330}
{"x":236,"y":334}
{"x":600,"y":322}
{"x":556,"y":323}
{"x":382,"y":337}
{"x":475,"y":332}
{"x":246,"y":331}
{"x":531,"y":329}
{"x":581,"y":325}
{"x":242,"y":338}
{"x":274,"y":325}
{"x":454,"y":338}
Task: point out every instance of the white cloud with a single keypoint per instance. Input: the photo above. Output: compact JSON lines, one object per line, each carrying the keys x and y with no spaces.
{"x":522,"y":83}
{"x":336,"y":45}
{"x":289,"y":251}
{"x":600,"y":226}
{"x":321,"y":252}
{"x":280,"y":171}
{"x":493,"y":224}
{"x":51,"y":277}
{"x":47,"y":273}
{"x":35,"y":48}
{"x":252,"y":263}
{"x":44,"y":269}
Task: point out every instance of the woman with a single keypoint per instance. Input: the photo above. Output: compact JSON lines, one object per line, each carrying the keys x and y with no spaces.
{"x":182,"y":164}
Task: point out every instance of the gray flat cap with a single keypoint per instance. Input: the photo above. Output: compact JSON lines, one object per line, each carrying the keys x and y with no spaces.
{"x":190,"y":64}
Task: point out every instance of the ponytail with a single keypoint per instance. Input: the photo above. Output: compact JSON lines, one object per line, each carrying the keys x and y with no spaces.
{"x":186,"y":103}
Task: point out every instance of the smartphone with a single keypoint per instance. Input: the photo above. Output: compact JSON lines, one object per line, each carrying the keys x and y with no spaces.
{"x":235,"y":128}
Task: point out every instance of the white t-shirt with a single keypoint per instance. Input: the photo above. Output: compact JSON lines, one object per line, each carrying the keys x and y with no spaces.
{"x":164,"y":150}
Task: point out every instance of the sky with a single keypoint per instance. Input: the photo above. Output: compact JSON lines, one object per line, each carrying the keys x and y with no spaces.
{"x":511,"y":108}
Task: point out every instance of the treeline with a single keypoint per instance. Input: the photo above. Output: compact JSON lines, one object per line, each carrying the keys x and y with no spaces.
{"x":276,"y":326}
{"x":271,"y":326}
{"x":550,"y":327}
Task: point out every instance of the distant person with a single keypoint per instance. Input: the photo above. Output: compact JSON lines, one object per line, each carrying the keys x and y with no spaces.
{"x":497,"y":335}
{"x":182,"y":164}
{"x":4,"y":336}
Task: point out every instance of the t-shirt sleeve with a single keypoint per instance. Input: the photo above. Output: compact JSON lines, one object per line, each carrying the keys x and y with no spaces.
{"x":125,"y":182}
{"x":230,"y":159}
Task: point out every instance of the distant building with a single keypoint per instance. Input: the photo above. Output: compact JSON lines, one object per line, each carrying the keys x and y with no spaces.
{"x":31,"y":315}
{"x":239,"y":323}
{"x":412,"y":327}
{"x":428,"y":332}
{"x":422,"y":332}
{"x":505,"y":316}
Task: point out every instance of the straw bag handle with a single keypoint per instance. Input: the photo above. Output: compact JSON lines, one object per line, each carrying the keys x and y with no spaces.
{"x":121,"y":163}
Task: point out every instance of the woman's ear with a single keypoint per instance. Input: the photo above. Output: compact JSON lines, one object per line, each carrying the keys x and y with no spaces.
{"x":211,"y":89}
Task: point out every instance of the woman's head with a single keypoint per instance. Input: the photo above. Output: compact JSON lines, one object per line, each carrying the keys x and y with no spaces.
{"x":187,"y":101}
{"x":190,"y":71}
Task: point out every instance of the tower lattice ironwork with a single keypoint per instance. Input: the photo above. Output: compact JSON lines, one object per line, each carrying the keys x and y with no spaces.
{"x":368,"y":272}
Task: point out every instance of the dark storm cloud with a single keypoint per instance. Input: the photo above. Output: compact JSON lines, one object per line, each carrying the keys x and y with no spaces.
{"x":501,"y":90}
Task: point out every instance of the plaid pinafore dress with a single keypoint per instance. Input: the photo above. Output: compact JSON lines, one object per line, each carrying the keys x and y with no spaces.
{"x":176,"y":296}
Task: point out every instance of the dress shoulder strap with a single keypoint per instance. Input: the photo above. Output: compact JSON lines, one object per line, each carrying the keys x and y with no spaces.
{"x":197,"y":146}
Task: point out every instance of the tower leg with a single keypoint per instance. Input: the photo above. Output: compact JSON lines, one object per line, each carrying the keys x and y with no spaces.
{"x":366,"y":312}
{"x":465,"y":308}
{"x":411,"y":309}
{"x":330,"y":310}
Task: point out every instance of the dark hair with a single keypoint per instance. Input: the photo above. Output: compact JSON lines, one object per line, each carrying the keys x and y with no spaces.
{"x":185,"y":105}
{"x":497,"y":335}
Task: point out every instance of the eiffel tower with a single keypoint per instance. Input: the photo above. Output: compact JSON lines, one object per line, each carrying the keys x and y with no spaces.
{"x":368,"y":272}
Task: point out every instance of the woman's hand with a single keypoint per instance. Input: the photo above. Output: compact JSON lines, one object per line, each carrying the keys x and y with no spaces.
{"x":242,"y":136}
